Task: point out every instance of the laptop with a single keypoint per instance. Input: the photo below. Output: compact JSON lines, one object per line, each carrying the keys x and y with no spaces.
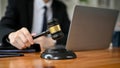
{"x":91,"y":28}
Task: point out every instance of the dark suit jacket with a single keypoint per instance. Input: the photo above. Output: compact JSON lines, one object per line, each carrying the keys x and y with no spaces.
{"x":20,"y":14}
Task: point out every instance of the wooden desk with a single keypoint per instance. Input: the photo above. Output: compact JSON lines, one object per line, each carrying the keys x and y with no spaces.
{"x":85,"y":59}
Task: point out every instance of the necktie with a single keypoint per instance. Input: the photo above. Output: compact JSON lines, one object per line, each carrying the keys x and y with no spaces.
{"x":45,"y":19}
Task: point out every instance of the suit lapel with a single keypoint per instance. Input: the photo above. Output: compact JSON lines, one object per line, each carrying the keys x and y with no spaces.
{"x":53,"y":9}
{"x":30,"y":14}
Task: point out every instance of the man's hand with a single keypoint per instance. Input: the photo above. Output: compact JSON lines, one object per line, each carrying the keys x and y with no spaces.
{"x":45,"y":42}
{"x":21,"y":39}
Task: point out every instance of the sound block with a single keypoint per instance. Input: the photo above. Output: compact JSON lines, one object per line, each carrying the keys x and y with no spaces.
{"x":58,"y":54}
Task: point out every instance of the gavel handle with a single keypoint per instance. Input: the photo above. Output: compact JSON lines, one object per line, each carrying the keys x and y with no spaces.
{"x":42,"y":34}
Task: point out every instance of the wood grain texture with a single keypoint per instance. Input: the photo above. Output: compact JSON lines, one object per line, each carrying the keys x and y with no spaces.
{"x":109,"y":58}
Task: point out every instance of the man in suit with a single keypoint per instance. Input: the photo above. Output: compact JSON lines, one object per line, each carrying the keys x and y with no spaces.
{"x":19,"y":23}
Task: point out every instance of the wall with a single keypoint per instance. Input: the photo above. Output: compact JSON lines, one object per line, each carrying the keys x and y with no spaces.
{"x":3,"y":4}
{"x":117,"y":6}
{"x":0,"y":9}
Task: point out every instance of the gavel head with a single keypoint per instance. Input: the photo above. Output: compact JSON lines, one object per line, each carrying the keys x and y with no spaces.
{"x":54,"y":29}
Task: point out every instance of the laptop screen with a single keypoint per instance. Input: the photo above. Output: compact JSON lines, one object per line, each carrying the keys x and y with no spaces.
{"x":91,"y":28}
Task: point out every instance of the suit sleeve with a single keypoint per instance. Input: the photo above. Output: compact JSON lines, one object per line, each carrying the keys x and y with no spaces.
{"x":8,"y":22}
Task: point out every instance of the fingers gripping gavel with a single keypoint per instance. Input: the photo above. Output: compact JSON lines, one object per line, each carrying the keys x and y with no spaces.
{"x":53,"y":29}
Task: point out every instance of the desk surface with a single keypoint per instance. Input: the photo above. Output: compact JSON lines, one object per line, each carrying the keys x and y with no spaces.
{"x":85,"y":59}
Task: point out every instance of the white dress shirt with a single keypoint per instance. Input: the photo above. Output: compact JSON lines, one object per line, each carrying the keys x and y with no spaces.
{"x":38,"y":15}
